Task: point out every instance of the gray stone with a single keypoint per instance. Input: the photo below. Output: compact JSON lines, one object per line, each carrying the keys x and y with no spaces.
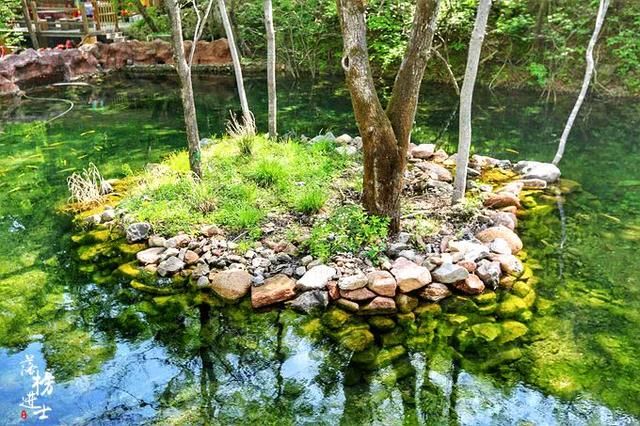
{"x":108,"y":215}
{"x":306,"y":260}
{"x":353,"y":282}
{"x":348,"y":305}
{"x":300,"y":271}
{"x":170,"y":266}
{"x":315,"y":278}
{"x":150,"y":255}
{"x":200,"y":269}
{"x":408,"y":254}
{"x":470,"y":251}
{"x":537,"y":170}
{"x":348,"y":150}
{"x":310,"y":301}
{"x":203,"y":282}
{"x":449,"y":273}
{"x":138,"y":231}
{"x":344,"y":139}
{"x":394,"y":249}
{"x":500,"y":246}
{"x":489,"y":272}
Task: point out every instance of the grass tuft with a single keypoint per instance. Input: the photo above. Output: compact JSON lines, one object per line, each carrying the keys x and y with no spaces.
{"x":310,"y":201}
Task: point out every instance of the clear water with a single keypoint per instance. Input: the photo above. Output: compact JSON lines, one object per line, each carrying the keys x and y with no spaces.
{"x":122,"y":359}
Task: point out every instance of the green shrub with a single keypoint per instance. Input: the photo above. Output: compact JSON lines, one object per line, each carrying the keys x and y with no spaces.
{"x":349,"y":230}
{"x":246,"y":146}
{"x":310,"y":201}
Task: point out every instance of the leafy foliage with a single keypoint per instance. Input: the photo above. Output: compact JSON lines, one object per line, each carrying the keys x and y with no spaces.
{"x":9,"y":11}
{"x":349,"y":229}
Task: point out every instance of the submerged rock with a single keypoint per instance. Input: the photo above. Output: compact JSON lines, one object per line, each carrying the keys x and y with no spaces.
{"x":231,"y":285}
{"x":137,"y":232}
{"x":310,"y":301}
{"x":537,"y":170}
{"x":274,"y":290}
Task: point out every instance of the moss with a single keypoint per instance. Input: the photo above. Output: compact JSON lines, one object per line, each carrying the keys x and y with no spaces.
{"x":387,"y":356}
{"x":355,"y":338}
{"x":151,"y":289}
{"x":487,"y":309}
{"x":312,"y":328}
{"x":130,"y":270}
{"x":503,"y":357}
{"x":511,"y":306}
{"x":420,"y":343}
{"x":512,"y":330}
{"x":406,"y":319}
{"x":486,"y":298}
{"x":92,"y":252}
{"x":486,"y":331}
{"x":396,"y":337}
{"x":92,"y":237}
{"x":456,"y":319}
{"x":460,"y":304}
{"x":130,"y":250}
{"x":520,"y":289}
{"x":382,"y":323}
{"x":428,"y":326}
{"x":428,"y":310}
{"x":367,"y":356}
{"x":102,"y":277}
{"x":335,"y":318}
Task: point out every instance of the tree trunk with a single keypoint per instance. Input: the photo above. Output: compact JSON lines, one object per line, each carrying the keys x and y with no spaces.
{"x":246,"y":113}
{"x":385,"y":135}
{"x":145,"y":16}
{"x":186,"y":89}
{"x":466,"y":99}
{"x":588,"y":75}
{"x":271,"y":68}
{"x":30,"y":25}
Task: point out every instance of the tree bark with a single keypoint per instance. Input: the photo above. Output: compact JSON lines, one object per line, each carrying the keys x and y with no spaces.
{"x":147,"y":19}
{"x":30,"y":25}
{"x":246,"y":113}
{"x":186,"y":88}
{"x":271,"y":68}
{"x":385,"y":134}
{"x":588,"y":75}
{"x":466,"y":99}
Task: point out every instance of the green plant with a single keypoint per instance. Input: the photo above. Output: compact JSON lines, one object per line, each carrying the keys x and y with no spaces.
{"x":349,"y":230}
{"x":246,"y":146}
{"x":268,"y":173}
{"x":539,"y":72}
{"x":310,"y":201}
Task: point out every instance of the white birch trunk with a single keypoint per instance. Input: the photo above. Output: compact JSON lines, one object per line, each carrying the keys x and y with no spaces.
{"x":271,"y":68}
{"x":466,"y":99}
{"x":588,"y":75}
{"x":246,"y":113}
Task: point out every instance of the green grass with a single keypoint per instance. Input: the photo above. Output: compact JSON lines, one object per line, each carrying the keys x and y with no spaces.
{"x":238,"y":190}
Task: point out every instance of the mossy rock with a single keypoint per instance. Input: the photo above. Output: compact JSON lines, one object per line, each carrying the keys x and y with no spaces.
{"x":512,"y":330}
{"x":382,"y":323}
{"x":130,"y":270}
{"x":497,"y":175}
{"x":130,"y":250}
{"x":209,"y":299}
{"x":88,"y":268}
{"x":527,"y":273}
{"x":487,"y":309}
{"x":312,"y":328}
{"x":335,"y":318}
{"x":387,"y":356}
{"x":460,"y":304}
{"x":405,"y":320}
{"x":428,"y":310}
{"x":568,"y":186}
{"x":355,"y":338}
{"x":177,"y":302}
{"x":102,"y":277}
{"x":396,"y":337}
{"x":486,"y":298}
{"x":420,"y":343}
{"x":521,"y":289}
{"x":503,"y":357}
{"x":530,"y":299}
{"x":486,"y":331}
{"x":428,"y":326}
{"x":93,"y":252}
{"x":511,"y":306}
{"x":456,"y":319}
{"x":92,"y":237}
{"x":367,"y":356}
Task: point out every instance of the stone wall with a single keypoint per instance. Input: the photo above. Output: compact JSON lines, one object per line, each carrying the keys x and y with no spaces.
{"x":34,"y":68}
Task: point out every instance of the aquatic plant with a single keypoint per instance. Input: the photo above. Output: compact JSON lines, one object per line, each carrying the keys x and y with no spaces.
{"x":87,"y":186}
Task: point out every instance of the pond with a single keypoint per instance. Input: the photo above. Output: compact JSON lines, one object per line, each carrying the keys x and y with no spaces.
{"x":119,"y":358}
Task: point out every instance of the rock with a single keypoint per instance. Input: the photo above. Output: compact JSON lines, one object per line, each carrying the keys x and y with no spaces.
{"x":435,"y":171}
{"x":200,"y":269}
{"x":510,"y":264}
{"x":489,"y":272}
{"x":506,"y":219}
{"x":108,"y":215}
{"x":305,"y":261}
{"x":435,"y":292}
{"x":138,"y":231}
{"x":300,"y":271}
{"x":536,"y":170}
{"x":202,"y":282}
{"x":358,"y":295}
{"x":274,"y":290}
{"x":471,"y":285}
{"x":316,"y":278}
{"x":379,"y":305}
{"x":471,"y":251}
{"x":490,"y":234}
{"x":500,"y":246}
{"x":406,"y":303}
{"x":512,"y":330}
{"x":423,"y":151}
{"x":348,"y":305}
{"x":468,"y":265}
{"x":310,"y":301}
{"x":410,"y":276}
{"x":353,"y":282}
{"x":382,"y":283}
{"x":503,"y":199}
{"x":348,"y":150}
{"x":156,"y":241}
{"x":344,"y":139}
{"x":179,"y":241}
{"x":334,"y":292}
{"x":170,"y":266}
{"x":190,"y":257}
{"x":449,"y":273}
{"x":533,"y":183}
{"x":231,"y":285}
{"x":513,"y":188}
{"x":150,"y":255}
{"x":394,"y":249}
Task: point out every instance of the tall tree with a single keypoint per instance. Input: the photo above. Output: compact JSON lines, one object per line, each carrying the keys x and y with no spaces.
{"x":385,"y":134}
{"x":588,"y":75}
{"x":271,"y":67}
{"x":466,"y":98}
{"x":237,"y":69}
{"x":186,"y":89}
